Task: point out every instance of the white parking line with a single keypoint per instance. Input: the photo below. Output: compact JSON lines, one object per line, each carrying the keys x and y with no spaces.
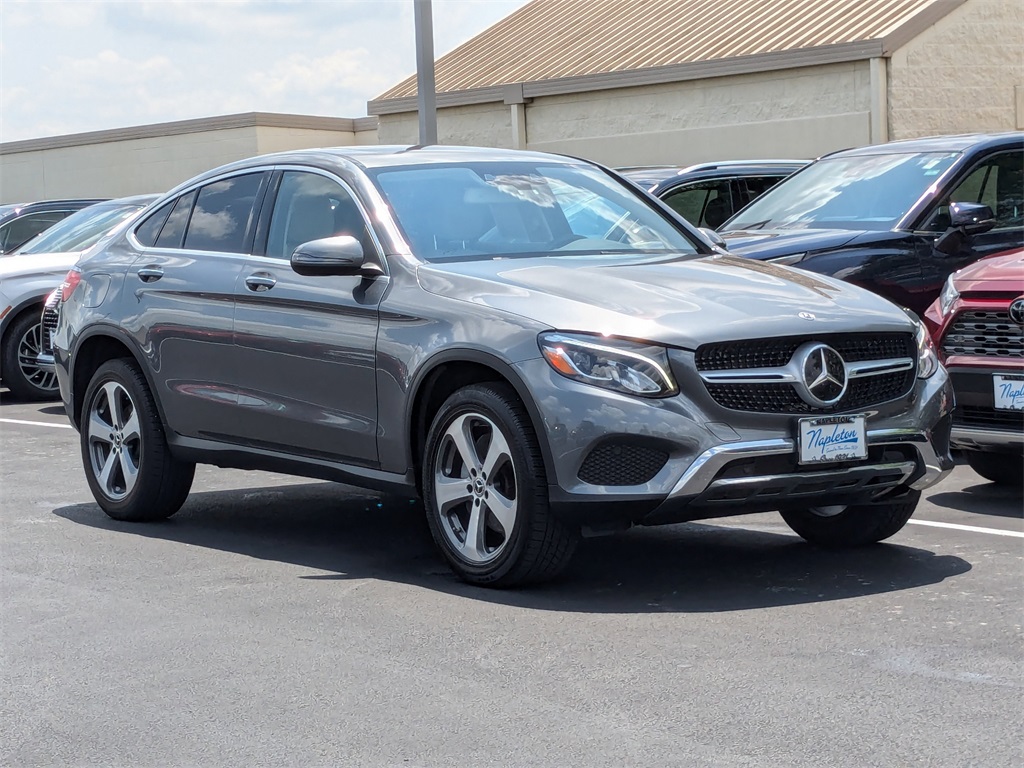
{"x":36,"y":423}
{"x":974,"y":529}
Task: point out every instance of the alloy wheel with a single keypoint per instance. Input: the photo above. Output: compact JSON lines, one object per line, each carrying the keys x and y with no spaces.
{"x":115,"y":441}
{"x":475,"y":488}
{"x":30,"y":345}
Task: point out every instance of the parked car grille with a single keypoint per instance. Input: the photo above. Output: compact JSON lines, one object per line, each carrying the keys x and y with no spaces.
{"x":49,"y":322}
{"x":982,"y":333}
{"x":622,"y":464}
{"x":768,"y":353}
{"x":861,"y":392}
{"x":980,"y":416}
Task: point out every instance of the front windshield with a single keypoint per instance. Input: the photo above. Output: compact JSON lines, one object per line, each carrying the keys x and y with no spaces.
{"x":461,"y":211}
{"x":79,"y":230}
{"x":856,"y":192}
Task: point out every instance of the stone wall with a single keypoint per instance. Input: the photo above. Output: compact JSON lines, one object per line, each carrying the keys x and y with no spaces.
{"x":960,"y":75}
{"x":788,"y":113}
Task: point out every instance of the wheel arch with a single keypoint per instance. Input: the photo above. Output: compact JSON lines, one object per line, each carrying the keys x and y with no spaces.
{"x":93,"y":349}
{"x":20,"y":309}
{"x":447,"y":372}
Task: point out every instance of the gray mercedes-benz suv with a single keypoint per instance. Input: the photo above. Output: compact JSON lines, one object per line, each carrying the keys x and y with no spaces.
{"x":522,"y":339}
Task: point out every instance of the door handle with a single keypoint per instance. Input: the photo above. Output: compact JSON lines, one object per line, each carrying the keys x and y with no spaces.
{"x":259,"y":282}
{"x":150,"y":274}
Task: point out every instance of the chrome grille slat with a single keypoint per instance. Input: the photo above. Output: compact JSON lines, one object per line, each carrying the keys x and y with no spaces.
{"x":753,"y":376}
{"x":984,"y":333}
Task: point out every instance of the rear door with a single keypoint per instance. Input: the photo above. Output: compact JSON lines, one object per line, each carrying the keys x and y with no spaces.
{"x":307,"y":345}
{"x":192,"y":252}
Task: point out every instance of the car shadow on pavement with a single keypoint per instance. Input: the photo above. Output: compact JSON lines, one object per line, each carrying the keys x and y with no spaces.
{"x":983,"y":499}
{"x":341,"y":533}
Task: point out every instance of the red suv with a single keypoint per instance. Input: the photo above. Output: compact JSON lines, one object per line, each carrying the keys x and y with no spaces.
{"x":978,"y":325}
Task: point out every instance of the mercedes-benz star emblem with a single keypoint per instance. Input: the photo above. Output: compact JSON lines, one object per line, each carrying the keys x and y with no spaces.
{"x":1017,"y":311}
{"x":823,"y":374}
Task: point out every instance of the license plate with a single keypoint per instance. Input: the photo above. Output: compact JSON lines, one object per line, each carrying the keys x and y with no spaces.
{"x":1008,"y":392}
{"x":832,"y":438}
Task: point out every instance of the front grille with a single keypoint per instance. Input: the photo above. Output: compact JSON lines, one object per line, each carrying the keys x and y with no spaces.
{"x":622,"y":464}
{"x":862,"y":392}
{"x":983,"y":333}
{"x":980,"y":416}
{"x":49,"y":322}
{"x":772,"y":353}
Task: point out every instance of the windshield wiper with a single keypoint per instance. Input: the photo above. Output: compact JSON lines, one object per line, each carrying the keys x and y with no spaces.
{"x":755,"y":225}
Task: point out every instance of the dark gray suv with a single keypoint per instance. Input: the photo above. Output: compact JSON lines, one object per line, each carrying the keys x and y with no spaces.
{"x":522,"y":339}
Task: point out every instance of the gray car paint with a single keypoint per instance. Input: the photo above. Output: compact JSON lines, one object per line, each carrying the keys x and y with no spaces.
{"x":223,"y":375}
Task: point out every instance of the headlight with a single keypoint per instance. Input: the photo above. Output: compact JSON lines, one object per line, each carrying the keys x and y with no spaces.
{"x":785,"y":261}
{"x":927,"y":359}
{"x":623,"y":366}
{"x":948,"y":296}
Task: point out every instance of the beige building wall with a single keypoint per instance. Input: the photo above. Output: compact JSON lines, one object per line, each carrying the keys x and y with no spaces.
{"x":801,"y":112}
{"x":122,"y":162}
{"x":962,"y":75}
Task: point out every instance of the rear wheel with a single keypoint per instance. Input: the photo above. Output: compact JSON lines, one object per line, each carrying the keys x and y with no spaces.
{"x":21,"y":370}
{"x":128,"y":464}
{"x":485,"y":491}
{"x":837,"y":527}
{"x":1001,"y":468}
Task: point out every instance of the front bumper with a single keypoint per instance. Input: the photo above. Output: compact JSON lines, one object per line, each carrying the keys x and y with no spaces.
{"x":721,"y":462}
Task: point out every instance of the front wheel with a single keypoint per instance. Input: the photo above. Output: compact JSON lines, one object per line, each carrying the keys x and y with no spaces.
{"x":22,"y":373}
{"x":128,"y":464}
{"x":1001,"y":468}
{"x":485,"y":491}
{"x":853,"y":526}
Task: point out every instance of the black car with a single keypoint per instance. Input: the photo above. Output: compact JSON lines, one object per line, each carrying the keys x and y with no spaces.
{"x":897,"y":218}
{"x":706,"y":195}
{"x":20,"y":222}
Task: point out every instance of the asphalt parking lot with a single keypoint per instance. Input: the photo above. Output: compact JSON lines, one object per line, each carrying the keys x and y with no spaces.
{"x":278,"y":621}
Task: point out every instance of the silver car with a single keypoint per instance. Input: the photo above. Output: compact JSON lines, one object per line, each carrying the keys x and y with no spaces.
{"x":521,"y":339}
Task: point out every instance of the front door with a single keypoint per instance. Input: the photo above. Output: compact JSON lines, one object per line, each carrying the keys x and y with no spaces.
{"x":306,"y":374}
{"x":996,"y":181}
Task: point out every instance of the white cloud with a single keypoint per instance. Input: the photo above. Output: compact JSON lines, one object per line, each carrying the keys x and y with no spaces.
{"x":67,"y":67}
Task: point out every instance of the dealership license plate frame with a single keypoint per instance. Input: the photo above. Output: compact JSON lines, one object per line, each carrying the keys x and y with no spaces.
{"x":999,"y":400}
{"x":820,"y":449}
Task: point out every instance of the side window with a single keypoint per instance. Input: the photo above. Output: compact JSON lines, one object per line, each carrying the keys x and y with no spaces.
{"x":222,"y":214}
{"x":752,"y":187}
{"x":706,"y":204}
{"x":173,"y":230}
{"x":998,"y":183}
{"x":21,"y":230}
{"x":309,"y":207}
{"x":148,"y":231}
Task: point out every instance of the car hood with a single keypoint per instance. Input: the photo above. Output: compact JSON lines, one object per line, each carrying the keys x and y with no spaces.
{"x":36,"y":264}
{"x":675,"y":300}
{"x":1001,"y":272}
{"x":773,"y":243}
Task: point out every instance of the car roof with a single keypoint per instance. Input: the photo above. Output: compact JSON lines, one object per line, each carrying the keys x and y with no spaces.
{"x":657,"y":175}
{"x":47,"y":205}
{"x":957,"y":143}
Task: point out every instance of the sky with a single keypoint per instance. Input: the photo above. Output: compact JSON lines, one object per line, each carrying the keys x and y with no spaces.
{"x":68,"y":66}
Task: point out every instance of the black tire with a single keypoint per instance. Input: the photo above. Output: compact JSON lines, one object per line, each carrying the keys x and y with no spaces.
{"x":539,"y":546}
{"x":161,"y":483}
{"x":855,"y":526}
{"x":1001,"y":468}
{"x":22,"y":339}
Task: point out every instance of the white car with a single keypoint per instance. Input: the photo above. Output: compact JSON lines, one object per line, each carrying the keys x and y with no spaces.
{"x":29,"y":275}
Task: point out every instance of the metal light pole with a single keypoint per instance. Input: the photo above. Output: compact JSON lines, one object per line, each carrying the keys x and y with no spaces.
{"x":426,"y":99}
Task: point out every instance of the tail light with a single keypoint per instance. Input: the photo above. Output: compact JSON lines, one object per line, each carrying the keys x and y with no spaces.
{"x":71,"y":281}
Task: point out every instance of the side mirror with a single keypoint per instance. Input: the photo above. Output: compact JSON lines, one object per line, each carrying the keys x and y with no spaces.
{"x":972,"y":218}
{"x":340,"y":255}
{"x":965,"y":219}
